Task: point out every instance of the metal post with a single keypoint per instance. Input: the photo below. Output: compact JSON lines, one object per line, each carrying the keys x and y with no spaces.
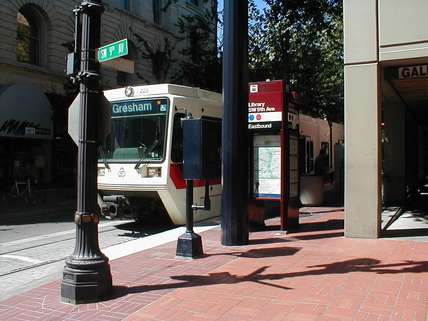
{"x":283,"y":204}
{"x":189,"y":244}
{"x":234,"y":220}
{"x":189,"y":203}
{"x":86,"y":276}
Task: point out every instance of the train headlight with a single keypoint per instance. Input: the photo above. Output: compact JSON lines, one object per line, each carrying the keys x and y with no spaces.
{"x":154,"y":172}
{"x":101,"y":171}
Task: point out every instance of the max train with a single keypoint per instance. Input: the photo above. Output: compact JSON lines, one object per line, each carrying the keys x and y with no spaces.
{"x":140,"y":168}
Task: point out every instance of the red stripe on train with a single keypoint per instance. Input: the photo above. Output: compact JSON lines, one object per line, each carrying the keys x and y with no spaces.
{"x":176,"y":174}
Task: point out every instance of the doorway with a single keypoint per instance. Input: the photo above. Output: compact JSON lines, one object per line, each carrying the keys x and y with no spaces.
{"x":404,"y":147}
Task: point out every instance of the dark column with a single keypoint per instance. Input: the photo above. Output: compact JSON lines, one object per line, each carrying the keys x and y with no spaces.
{"x":86,"y":276}
{"x":234,"y":220}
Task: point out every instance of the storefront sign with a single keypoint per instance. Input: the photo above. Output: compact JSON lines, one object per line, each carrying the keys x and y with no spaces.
{"x":30,"y":131}
{"x":25,"y":112}
{"x":413,"y":72}
{"x":16,"y":128}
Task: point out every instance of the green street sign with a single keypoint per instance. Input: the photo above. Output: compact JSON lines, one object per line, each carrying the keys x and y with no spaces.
{"x":112,"y":51}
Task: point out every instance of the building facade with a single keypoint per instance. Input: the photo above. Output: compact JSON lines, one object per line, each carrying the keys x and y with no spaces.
{"x":36,"y":36}
{"x":386,"y":101}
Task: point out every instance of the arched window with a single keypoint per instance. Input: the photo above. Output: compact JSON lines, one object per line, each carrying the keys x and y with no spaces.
{"x":31,"y":35}
{"x":28,"y":41}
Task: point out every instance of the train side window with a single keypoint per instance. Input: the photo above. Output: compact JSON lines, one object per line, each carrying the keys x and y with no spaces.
{"x":177,"y":139}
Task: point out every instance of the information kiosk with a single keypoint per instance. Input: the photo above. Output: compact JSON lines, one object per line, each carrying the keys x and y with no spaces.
{"x":274,"y":138}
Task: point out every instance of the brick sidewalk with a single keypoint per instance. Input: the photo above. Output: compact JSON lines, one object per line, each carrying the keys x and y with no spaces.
{"x":315,"y":274}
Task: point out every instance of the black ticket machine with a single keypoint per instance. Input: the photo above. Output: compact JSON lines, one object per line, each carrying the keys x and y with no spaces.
{"x":201,"y":161}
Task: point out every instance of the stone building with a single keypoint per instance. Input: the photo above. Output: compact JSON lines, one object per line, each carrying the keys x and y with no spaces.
{"x":386,"y":119}
{"x":36,"y":36}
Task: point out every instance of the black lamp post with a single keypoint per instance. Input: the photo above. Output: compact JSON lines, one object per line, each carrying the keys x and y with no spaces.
{"x":86,"y":276}
{"x":234,"y":219}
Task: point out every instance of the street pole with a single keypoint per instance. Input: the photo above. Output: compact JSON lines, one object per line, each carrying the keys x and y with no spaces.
{"x":189,"y":245}
{"x":235,"y":195}
{"x":86,"y":275}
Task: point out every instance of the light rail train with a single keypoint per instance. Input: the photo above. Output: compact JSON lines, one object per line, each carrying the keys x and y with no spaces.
{"x":140,"y":168}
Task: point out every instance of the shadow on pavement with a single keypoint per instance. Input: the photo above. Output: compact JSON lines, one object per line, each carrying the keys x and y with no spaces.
{"x":268,"y":241}
{"x":139,"y":230}
{"x":259,"y":276}
{"x":405,"y":232}
{"x":316,"y":236}
{"x":333,"y":224}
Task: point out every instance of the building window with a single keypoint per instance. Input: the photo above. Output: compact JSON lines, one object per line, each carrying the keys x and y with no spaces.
{"x":28,"y":40}
{"x":121,"y":4}
{"x":125,"y":4}
{"x":194,"y":2}
{"x":157,"y":11}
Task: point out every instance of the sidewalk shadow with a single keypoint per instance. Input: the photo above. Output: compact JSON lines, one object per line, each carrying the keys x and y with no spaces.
{"x":139,"y":230}
{"x":259,"y":252}
{"x":265,"y":252}
{"x":186,"y":281}
{"x":316,"y":236}
{"x":320,"y":227}
{"x":271,"y":240}
{"x":334,"y":224}
{"x":368,"y":265}
{"x":405,"y":232}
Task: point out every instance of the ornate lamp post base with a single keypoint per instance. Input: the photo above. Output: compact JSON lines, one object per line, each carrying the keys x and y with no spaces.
{"x":86,"y":276}
{"x":85,"y":281}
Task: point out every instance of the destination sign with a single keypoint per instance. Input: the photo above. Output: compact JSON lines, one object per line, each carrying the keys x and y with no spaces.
{"x":139,"y":107}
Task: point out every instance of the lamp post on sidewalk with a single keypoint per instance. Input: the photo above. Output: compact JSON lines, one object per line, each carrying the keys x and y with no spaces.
{"x":234,"y":218}
{"x":87,"y":276}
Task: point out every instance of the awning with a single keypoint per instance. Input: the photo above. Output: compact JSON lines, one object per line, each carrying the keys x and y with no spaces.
{"x":25,"y":112}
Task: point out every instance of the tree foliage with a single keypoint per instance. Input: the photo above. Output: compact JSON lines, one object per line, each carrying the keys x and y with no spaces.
{"x":191,"y":58}
{"x":159,"y":54}
{"x":300,"y":41}
{"x":199,"y":64}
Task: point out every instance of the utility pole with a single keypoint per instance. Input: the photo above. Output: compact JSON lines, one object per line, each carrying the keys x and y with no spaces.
{"x":87,"y":276}
{"x":235,"y":195}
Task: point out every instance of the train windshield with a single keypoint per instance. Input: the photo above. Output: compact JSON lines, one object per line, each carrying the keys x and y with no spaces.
{"x":138,"y":131}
